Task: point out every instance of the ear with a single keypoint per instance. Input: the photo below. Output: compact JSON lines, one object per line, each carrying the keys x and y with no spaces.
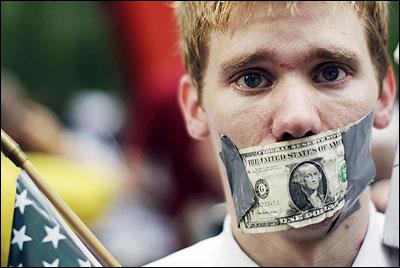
{"x":384,"y":106}
{"x":195,"y":117}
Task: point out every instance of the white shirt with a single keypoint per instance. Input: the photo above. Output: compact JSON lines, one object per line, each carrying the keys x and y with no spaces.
{"x":223,"y":250}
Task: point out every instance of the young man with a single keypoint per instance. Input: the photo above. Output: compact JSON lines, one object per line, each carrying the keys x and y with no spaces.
{"x":267,"y":73}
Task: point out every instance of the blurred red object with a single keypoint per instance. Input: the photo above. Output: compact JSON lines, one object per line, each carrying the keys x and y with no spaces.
{"x":147,"y":40}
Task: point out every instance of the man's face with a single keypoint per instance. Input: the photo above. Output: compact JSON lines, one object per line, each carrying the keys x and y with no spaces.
{"x":311,"y":176}
{"x":282,"y":76}
{"x":285,"y":76}
{"x":279,"y":76}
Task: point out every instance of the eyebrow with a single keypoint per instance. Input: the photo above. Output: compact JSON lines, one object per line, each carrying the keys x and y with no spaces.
{"x":244,"y":60}
{"x":338,"y":54}
{"x":267,"y":55}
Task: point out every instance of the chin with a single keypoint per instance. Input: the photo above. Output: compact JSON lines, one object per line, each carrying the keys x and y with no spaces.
{"x":314,"y":232}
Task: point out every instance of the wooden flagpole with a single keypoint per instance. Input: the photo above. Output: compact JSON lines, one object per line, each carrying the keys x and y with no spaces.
{"x":12,"y":150}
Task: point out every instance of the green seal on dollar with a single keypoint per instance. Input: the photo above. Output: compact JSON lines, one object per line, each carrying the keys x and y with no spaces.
{"x":343,"y":173}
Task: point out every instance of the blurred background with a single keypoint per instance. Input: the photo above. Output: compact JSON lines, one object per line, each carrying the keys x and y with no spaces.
{"x":88,"y":89}
{"x":89,"y":92}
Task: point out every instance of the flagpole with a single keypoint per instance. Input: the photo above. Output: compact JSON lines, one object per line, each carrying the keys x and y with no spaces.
{"x":12,"y":150}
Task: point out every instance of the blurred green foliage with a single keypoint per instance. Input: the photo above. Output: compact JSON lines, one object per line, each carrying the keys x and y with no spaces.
{"x":58,"y":48}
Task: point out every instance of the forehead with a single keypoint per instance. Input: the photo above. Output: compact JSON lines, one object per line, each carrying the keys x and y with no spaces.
{"x":289,"y":32}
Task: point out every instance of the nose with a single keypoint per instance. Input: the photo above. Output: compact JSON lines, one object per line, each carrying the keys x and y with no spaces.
{"x":297,"y":114}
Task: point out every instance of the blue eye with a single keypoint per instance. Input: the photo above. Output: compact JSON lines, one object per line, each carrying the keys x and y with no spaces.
{"x":253,"y":80}
{"x":331,"y":74}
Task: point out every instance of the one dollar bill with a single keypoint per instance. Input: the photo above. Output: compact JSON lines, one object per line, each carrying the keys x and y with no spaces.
{"x":296,"y":183}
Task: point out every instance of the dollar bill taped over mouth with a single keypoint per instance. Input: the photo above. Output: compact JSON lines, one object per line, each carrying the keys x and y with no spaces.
{"x":296,"y":183}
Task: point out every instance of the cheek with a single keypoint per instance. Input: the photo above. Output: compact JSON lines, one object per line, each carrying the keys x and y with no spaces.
{"x":347,"y":106}
{"x":245,"y":121}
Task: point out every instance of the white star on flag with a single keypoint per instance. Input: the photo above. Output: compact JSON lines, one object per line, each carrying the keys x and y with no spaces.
{"x":52,"y":264}
{"x":22,"y":201}
{"x":20,"y":238}
{"x":84,"y":263}
{"x":53,"y":235}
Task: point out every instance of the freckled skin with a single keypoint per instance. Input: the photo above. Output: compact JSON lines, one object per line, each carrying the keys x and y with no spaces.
{"x":293,"y":102}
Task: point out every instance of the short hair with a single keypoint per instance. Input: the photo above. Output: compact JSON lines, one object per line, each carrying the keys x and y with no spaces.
{"x":197,"y":19}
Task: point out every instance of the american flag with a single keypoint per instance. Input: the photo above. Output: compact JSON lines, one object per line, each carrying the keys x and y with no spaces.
{"x":40,"y":237}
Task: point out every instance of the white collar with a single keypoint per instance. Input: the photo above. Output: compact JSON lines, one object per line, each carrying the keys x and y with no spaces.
{"x":237,"y":257}
{"x":372,"y":252}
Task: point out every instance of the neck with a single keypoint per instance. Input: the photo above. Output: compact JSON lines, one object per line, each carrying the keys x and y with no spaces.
{"x":307,"y":246}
